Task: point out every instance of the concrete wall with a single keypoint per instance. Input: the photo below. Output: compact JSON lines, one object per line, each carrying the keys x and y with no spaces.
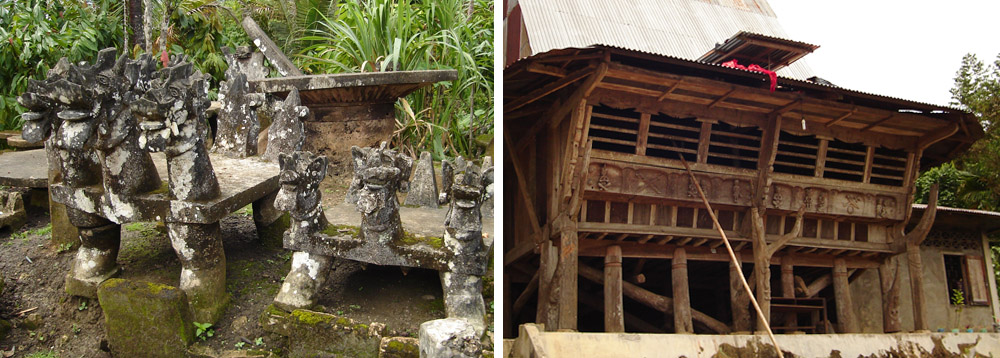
{"x":533,"y":343}
{"x":941,"y":314}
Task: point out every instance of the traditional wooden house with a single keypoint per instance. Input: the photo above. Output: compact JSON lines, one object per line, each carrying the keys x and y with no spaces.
{"x":606,"y":105}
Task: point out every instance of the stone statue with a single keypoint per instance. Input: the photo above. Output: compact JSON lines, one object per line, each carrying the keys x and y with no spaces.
{"x":286,"y":133}
{"x":238,"y":123}
{"x":173,"y":122}
{"x":379,"y":173}
{"x":464,"y":189}
{"x":299,"y":195}
{"x":84,"y":108}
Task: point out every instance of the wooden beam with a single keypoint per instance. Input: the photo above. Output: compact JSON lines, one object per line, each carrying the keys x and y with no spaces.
{"x":581,"y":93}
{"x":547,"y":89}
{"x":842,"y":117}
{"x":788,"y":289}
{"x":936,"y":136}
{"x":878,"y":122}
{"x":539,"y":68}
{"x":614,"y":314}
{"x":890,"y":279}
{"x":869,"y":160}
{"x":670,"y":90}
{"x":787,"y":107}
{"x":643,"y":137}
{"x":520,"y":250}
{"x":722,"y":98}
{"x":566,"y":279}
{"x":631,"y":321}
{"x":660,"y":303}
{"x":546,"y":313}
{"x":704,"y":139}
{"x":522,"y":186}
{"x":682,"y":298}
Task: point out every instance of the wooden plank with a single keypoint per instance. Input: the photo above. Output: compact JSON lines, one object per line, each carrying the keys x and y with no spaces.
{"x":842,"y":117}
{"x":670,"y":90}
{"x":614,"y":314}
{"x":878,"y":122}
{"x":722,"y":98}
{"x":682,"y":298}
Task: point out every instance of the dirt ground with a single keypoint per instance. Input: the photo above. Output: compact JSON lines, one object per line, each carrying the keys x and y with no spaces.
{"x":49,"y":323}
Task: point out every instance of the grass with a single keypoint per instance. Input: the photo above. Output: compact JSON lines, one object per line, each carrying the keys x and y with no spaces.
{"x":27,"y":234}
{"x":49,"y":354}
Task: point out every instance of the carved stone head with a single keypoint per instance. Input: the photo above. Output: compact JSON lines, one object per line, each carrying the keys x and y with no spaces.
{"x":171,"y":113}
{"x":379,"y":173}
{"x":39,"y":98}
{"x":299,"y":178}
{"x":464,"y":187}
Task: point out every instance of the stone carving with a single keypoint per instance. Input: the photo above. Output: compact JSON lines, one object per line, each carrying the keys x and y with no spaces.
{"x":12,"y":214}
{"x":301,"y":174}
{"x":487,"y":206}
{"x":173,"y":122}
{"x":238,"y":123}
{"x":464,"y":187}
{"x":286,"y":133}
{"x":379,"y":173}
{"x":423,"y":185}
{"x":86,"y":110}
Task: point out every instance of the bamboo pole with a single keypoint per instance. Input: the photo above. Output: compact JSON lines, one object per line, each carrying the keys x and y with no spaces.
{"x":732,"y":256}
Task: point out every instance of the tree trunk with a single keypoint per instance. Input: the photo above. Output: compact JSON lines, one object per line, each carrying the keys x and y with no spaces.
{"x":614,"y":317}
{"x":842,"y":297}
{"x":739,"y":300}
{"x":147,"y":25}
{"x":682,"y":298}
{"x":889,"y":275}
{"x":136,"y":32}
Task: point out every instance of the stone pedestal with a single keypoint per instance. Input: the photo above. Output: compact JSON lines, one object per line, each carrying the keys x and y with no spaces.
{"x":145,"y":319}
{"x":449,"y":337}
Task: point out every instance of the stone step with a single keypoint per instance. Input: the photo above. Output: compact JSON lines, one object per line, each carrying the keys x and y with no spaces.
{"x":20,"y":144}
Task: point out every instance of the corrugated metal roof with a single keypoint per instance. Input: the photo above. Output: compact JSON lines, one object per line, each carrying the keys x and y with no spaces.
{"x":685,"y":29}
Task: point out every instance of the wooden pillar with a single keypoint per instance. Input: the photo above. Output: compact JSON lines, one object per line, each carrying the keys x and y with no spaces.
{"x":565,"y":279}
{"x":614,"y":314}
{"x":842,"y":295}
{"x":546,"y":270}
{"x":738,"y":299}
{"x":916,"y":267}
{"x":762,"y":273}
{"x":682,"y":298}
{"x":788,"y":288}
{"x":889,"y":276}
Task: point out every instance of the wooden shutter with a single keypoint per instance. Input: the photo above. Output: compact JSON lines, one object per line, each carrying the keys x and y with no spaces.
{"x":975,"y":271}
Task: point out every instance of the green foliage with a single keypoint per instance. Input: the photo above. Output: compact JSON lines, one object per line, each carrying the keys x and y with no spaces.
{"x":957,"y":297}
{"x":34,"y":34}
{"x":203,"y":330}
{"x":973,"y":180}
{"x":448,"y":119}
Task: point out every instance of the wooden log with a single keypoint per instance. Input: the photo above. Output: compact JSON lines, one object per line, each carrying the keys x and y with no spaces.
{"x":842,"y":297}
{"x":614,"y":314}
{"x":682,"y":294}
{"x":817,"y":285}
{"x":274,"y":55}
{"x":788,"y":289}
{"x":660,"y":303}
{"x":631,"y":321}
{"x":889,"y":276}
{"x":739,"y":300}
{"x":565,"y":281}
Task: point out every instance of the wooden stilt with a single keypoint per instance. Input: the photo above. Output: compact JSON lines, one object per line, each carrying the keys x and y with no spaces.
{"x":565,"y":280}
{"x":546,"y":270}
{"x":739,"y":299}
{"x":788,"y":288}
{"x":916,"y":267}
{"x":614,"y":314}
{"x":842,"y":295}
{"x":682,"y":298}
{"x":889,"y":275}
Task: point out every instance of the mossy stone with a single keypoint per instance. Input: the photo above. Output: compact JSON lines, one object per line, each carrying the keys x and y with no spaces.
{"x":399,"y":347}
{"x":312,"y":333}
{"x":145,"y":319}
{"x":272,"y":235}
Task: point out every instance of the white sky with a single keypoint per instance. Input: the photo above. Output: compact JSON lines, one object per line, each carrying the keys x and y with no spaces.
{"x":909,"y":50}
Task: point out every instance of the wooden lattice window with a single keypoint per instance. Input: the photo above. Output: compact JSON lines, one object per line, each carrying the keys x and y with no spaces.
{"x":796,"y":154}
{"x":845,"y":161}
{"x":734,"y":146}
{"x":669,"y":136}
{"x":614,"y":130}
{"x":888,"y":167}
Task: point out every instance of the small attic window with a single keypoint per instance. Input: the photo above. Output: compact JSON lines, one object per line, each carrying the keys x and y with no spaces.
{"x":747,"y":48}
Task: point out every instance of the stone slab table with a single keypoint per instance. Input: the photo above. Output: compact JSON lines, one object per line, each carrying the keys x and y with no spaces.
{"x":29,"y":169}
{"x":350,"y":109}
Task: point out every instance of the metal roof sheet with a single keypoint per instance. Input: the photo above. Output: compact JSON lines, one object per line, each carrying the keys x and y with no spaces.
{"x":685,"y":29}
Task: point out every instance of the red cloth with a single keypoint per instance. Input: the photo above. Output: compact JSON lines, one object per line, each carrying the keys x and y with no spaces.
{"x":166,"y":58}
{"x":753,"y":67}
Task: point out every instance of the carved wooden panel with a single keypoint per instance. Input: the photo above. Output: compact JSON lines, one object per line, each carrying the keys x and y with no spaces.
{"x":672,"y":184}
